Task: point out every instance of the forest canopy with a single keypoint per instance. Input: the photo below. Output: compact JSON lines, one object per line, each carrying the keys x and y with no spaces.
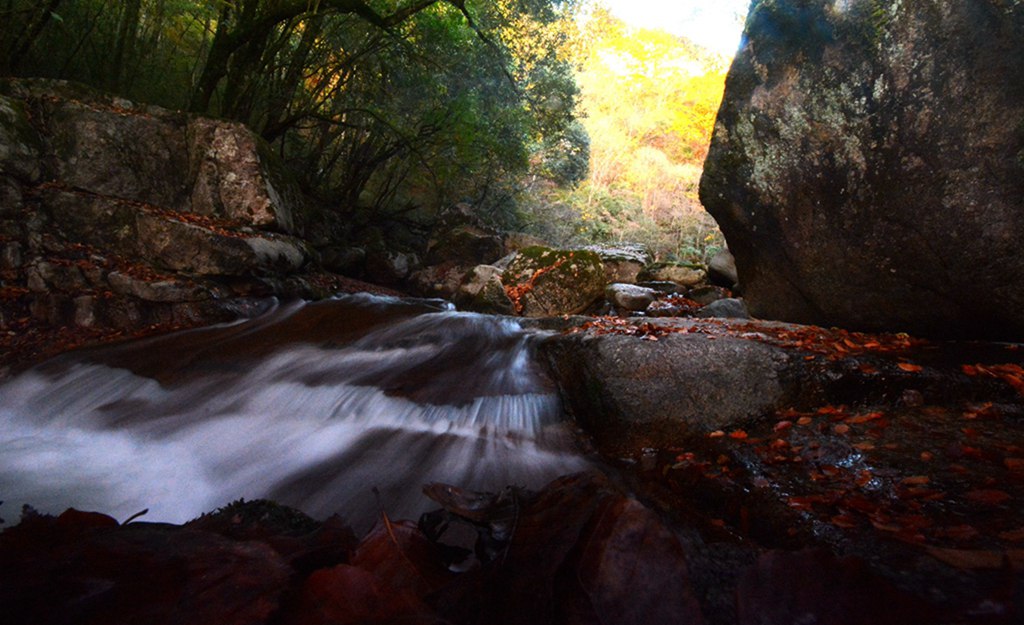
{"x":545,"y":115}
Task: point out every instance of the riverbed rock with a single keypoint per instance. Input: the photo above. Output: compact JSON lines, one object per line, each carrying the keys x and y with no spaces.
{"x":729,"y":308}
{"x":621,"y":387}
{"x":866,"y":165}
{"x":722,"y":269}
{"x":629,"y":297}
{"x":679,"y":273}
{"x":466,"y":245}
{"x":193,"y":249}
{"x":622,"y":263}
{"x":545,"y":282}
{"x":483,"y":291}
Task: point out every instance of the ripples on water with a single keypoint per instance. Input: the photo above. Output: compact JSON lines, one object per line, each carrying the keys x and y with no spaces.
{"x":312,"y":405}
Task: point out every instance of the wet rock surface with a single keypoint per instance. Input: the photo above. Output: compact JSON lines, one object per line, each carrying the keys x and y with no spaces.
{"x":884,"y":484}
{"x":852,"y":137}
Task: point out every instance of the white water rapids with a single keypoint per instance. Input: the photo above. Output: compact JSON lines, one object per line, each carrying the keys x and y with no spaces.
{"x":311,"y":405}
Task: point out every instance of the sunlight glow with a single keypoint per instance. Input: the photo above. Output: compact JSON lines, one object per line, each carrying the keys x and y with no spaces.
{"x":714,"y":24}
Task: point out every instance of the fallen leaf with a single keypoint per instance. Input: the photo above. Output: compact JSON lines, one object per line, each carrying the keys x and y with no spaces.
{"x":1014,"y":464}
{"x":864,"y":418}
{"x":845,"y":521}
{"x":988,"y":496}
{"x":915,"y":480}
{"x":1016,"y":535}
{"x":909,"y":367}
{"x":977,"y":559}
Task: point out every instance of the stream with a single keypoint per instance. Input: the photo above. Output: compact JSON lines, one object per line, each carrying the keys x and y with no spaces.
{"x":342,"y":406}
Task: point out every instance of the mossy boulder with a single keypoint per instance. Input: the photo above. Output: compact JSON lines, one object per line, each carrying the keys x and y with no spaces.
{"x":543,"y":282}
{"x":864,"y":165}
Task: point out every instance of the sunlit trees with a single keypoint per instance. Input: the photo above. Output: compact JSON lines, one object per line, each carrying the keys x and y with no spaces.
{"x":649,"y":100}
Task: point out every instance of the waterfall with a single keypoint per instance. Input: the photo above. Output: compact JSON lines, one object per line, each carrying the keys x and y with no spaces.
{"x":311,"y":405}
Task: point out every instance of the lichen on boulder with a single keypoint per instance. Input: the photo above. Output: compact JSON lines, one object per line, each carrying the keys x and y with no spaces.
{"x":542,"y":282}
{"x":864,"y":165}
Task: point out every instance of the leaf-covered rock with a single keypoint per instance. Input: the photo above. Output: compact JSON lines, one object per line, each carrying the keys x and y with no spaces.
{"x":544,"y":282}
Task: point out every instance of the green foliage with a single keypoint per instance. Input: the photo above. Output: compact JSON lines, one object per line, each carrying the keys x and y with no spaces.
{"x":372,"y":105}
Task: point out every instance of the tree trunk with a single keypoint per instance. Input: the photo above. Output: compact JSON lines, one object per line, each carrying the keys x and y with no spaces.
{"x":230,"y":39}
{"x":127,"y":31}
{"x":35,"y":27}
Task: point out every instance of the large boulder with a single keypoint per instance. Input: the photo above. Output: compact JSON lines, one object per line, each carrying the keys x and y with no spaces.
{"x":115,"y":148}
{"x":867,"y":165}
{"x":622,"y":263}
{"x":235,"y":175}
{"x":621,"y":387}
{"x":543,"y":282}
{"x":482,"y":291}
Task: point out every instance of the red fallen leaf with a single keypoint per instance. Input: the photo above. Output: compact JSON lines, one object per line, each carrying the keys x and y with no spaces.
{"x":833,"y":410}
{"x":970,"y":559}
{"x":909,"y":367}
{"x":806,"y":502}
{"x":716,"y":434}
{"x":1014,"y":464}
{"x":864,"y":418}
{"x":970,"y":370}
{"x":915,"y":521}
{"x":864,"y":446}
{"x":1016,"y":535}
{"x":957,"y":532}
{"x":988,"y":496}
{"x":738,"y":435}
{"x":915,"y":480}
{"x":841,"y":428}
{"x":927,"y":456}
{"x":845,"y":521}
{"x":971,"y":452}
{"x":885,"y":526}
{"x":804,"y":421}
{"x":926,"y":494}
{"x":782,"y":425}
{"x":860,"y":503}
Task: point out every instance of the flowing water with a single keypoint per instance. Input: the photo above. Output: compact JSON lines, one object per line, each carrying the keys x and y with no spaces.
{"x":312,"y":405}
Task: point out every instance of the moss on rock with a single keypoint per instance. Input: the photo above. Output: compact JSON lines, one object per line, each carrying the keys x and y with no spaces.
{"x":542,"y":281}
